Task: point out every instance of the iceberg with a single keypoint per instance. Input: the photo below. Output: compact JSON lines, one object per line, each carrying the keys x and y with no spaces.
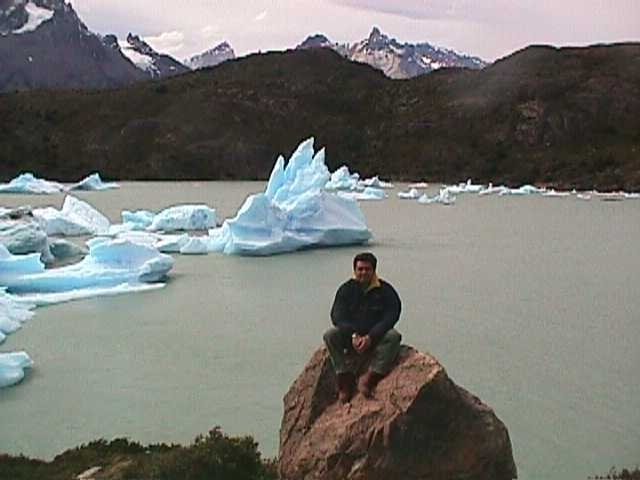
{"x":184,"y":217}
{"x":467,"y":187}
{"x":28,"y":183}
{"x":110,"y":263}
{"x":410,"y":195}
{"x":75,"y":218}
{"x":491,"y":190}
{"x":13,"y":313}
{"x":444,"y":197}
{"x":418,"y":185}
{"x":369,"y":193}
{"x":342,"y":179}
{"x":523,"y":190}
{"x":12,"y":367}
{"x":375,"y":182}
{"x":294,"y":212}
{"x":555,"y":193}
{"x":24,"y":235}
{"x":139,"y":220}
{"x":93,"y":182}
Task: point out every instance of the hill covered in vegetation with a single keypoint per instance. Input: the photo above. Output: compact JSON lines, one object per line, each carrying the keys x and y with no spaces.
{"x":568,"y":117}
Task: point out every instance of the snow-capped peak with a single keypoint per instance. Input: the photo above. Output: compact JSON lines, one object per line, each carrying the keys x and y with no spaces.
{"x":211,"y":57}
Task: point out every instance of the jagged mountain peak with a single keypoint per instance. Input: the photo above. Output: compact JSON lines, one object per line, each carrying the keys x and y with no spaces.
{"x":143,"y":56}
{"x":395,"y":59}
{"x":209,"y":58}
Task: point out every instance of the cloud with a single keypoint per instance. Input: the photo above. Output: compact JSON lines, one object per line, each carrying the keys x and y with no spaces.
{"x":167,"y":42}
{"x":261,"y":16}
{"x":209,"y":31}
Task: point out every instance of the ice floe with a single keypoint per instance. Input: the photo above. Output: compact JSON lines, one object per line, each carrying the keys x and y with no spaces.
{"x":369,"y":193}
{"x":20,"y":233}
{"x":110,"y":263}
{"x":75,"y":218}
{"x":418,"y":185}
{"x":375,"y":182}
{"x":28,"y":183}
{"x":184,"y":217}
{"x":294,"y":212}
{"x":412,"y":194}
{"x":342,"y":179}
{"x":93,"y":182}
{"x":12,"y":366}
{"x":443,"y":197}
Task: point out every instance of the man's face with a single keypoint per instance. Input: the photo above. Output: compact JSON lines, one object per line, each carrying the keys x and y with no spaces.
{"x":363,"y":272}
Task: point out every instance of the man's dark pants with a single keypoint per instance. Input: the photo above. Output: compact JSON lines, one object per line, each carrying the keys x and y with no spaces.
{"x":342,"y":353}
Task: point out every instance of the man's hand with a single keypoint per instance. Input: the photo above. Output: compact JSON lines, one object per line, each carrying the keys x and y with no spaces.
{"x":361,"y":343}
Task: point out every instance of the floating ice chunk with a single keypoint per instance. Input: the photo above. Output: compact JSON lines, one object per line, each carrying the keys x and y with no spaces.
{"x":93,"y":182}
{"x":410,"y":195}
{"x":555,"y":193}
{"x":75,"y":218}
{"x":165,"y":243}
{"x":631,"y":195}
{"x":13,"y":313}
{"x":342,"y":179}
{"x":444,"y":197}
{"x":375,"y":182}
{"x":523,"y":190}
{"x":63,"y":249}
{"x":294,"y":212}
{"x":195,"y":246}
{"x":418,"y":185}
{"x":467,"y":187}
{"x":583,"y":196}
{"x":24,"y":235}
{"x":12,"y":367}
{"x":11,"y":264}
{"x":369,"y":193}
{"x":52,"y":298}
{"x":184,"y":217}
{"x":109,"y":263}
{"x":28,"y":183}
{"x":141,"y":219}
{"x":491,"y":190}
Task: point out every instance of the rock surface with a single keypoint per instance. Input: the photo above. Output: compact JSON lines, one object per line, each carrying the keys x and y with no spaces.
{"x":419,"y":425}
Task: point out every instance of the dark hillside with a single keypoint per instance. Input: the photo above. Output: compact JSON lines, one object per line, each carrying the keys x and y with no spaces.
{"x":569,"y":116}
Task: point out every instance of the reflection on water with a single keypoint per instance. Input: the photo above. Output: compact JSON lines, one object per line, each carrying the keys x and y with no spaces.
{"x":531,"y":303}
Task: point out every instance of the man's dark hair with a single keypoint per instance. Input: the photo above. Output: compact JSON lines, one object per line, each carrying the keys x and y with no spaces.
{"x":365,"y":257}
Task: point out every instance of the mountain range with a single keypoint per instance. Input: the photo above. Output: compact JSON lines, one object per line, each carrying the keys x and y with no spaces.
{"x":44,"y":44}
{"x":566,"y":117}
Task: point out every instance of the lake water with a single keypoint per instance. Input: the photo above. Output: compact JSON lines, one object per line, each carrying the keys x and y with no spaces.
{"x":531,"y":303}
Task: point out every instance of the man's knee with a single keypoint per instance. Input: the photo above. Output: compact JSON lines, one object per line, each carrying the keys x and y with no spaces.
{"x":392,"y":337}
{"x":331,"y":336}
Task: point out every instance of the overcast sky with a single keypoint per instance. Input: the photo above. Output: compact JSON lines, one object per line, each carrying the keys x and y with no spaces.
{"x":487,"y":28}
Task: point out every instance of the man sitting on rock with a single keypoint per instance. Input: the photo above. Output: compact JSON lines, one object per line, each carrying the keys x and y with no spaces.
{"x":364,"y":312}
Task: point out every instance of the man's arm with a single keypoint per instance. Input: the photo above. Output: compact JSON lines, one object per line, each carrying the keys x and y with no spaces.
{"x":390,"y":315}
{"x":340,"y":310}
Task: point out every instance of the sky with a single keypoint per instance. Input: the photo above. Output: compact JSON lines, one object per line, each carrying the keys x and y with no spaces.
{"x":490,"y":29}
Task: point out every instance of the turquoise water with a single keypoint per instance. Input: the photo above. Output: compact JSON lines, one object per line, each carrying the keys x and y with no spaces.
{"x":531,"y":303}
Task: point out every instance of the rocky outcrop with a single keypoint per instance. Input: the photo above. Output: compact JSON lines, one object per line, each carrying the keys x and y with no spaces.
{"x":419,"y":425}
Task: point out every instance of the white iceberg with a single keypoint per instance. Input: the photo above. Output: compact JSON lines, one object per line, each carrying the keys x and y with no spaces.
{"x":139,"y":220}
{"x":110,"y":263}
{"x":523,"y":190}
{"x":466,"y":187}
{"x":294,"y":212}
{"x":491,"y":190}
{"x":410,"y":195}
{"x":184,"y":217}
{"x":13,"y":313}
{"x":342,"y":179}
{"x":24,"y":235}
{"x":369,"y":193}
{"x":75,"y":218}
{"x":418,"y":185}
{"x":555,"y":193}
{"x":12,"y":367}
{"x":375,"y":182}
{"x":195,"y":246}
{"x":444,"y":197}
{"x":28,"y":183}
{"x":93,"y":182}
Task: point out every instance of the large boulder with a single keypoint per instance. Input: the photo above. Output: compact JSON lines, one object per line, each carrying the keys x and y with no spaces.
{"x":419,"y":425}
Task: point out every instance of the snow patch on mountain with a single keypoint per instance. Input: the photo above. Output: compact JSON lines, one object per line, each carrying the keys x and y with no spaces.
{"x":212,"y":57}
{"x":36,"y":16}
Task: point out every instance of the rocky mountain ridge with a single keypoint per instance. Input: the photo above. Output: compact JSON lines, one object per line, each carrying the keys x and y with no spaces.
{"x":395,"y":59}
{"x":559,"y":117}
{"x":210,"y":58}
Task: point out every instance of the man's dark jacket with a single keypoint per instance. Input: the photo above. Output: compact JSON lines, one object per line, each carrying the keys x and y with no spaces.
{"x":371,"y":311}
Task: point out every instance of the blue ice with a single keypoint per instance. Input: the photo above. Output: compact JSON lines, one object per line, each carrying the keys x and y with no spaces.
{"x":29,"y":183}
{"x":93,"y":182}
{"x":294,"y":212}
{"x":12,"y":367}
